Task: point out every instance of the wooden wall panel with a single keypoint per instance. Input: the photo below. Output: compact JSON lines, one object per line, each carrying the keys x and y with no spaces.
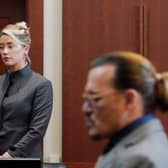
{"x":90,"y":28}
{"x":34,"y":13}
{"x":80,"y":165}
{"x":162,"y":36}
{"x":157,"y":33}
{"x":11,"y":13}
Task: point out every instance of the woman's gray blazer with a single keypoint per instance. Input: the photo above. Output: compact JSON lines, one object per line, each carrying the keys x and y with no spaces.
{"x":25,"y":113}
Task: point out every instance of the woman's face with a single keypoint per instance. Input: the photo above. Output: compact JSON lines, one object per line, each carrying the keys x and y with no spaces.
{"x":13,"y":54}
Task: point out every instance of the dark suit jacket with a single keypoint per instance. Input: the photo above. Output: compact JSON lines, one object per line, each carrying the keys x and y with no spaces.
{"x":145,"y":147}
{"x":25,"y":112}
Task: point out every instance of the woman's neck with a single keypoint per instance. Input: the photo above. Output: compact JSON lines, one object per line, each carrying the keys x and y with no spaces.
{"x":17,"y":68}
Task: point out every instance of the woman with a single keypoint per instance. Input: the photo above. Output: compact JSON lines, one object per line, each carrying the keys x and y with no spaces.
{"x":25,"y":96}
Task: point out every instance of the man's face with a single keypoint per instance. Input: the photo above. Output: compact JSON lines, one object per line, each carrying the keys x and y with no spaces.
{"x":104,"y":106}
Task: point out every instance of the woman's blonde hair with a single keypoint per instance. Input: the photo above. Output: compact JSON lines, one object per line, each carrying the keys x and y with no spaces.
{"x":20,"y":33}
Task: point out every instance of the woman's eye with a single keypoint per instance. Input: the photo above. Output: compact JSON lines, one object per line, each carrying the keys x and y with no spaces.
{"x":10,"y":46}
{"x":1,"y":46}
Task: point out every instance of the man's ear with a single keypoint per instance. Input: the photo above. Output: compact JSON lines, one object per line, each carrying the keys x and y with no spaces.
{"x":131,"y":98}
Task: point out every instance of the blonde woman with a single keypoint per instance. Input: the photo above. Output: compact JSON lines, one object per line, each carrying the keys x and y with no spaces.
{"x":25,"y":96}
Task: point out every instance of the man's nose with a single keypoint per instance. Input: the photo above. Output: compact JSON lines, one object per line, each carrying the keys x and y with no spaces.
{"x":87,"y":108}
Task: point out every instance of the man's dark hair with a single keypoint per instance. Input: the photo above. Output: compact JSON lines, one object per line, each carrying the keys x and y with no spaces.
{"x":132,"y":71}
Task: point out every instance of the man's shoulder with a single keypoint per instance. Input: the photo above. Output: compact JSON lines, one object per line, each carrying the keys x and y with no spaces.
{"x":146,"y":144}
{"x":149,"y":138}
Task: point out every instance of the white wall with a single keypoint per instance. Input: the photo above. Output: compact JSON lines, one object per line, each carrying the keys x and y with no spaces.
{"x":53,"y":71}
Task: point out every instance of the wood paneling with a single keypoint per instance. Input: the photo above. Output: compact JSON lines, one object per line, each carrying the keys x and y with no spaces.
{"x":80,"y":165}
{"x":157,"y":29}
{"x":35,"y":19}
{"x":11,"y":13}
{"x":90,"y":28}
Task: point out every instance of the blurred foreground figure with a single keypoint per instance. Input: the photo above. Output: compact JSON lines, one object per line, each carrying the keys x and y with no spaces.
{"x":121,"y":94}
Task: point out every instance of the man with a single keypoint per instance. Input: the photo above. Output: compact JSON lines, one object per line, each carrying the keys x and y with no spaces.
{"x":119,"y":99}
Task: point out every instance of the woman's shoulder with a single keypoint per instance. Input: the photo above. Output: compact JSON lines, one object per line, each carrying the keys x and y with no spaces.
{"x":2,"y":76}
{"x":38,"y":78}
{"x":2,"y":79}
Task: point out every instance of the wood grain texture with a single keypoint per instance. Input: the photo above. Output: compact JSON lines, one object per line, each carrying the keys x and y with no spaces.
{"x":80,"y":165}
{"x":90,"y":29}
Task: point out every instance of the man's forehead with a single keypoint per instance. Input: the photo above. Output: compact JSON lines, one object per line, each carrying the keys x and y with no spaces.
{"x":99,"y":78}
{"x":102,"y":73}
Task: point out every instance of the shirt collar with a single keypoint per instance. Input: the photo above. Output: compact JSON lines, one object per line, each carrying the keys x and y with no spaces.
{"x":23,"y":73}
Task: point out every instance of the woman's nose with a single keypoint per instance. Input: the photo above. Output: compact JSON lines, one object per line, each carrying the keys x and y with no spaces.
{"x":5,"y":50}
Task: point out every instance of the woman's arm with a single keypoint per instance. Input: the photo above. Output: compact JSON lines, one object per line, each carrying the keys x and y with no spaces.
{"x":41,"y":112}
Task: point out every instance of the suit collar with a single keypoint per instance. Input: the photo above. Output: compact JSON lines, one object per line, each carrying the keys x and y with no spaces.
{"x":138,"y":135}
{"x":120,"y":135}
{"x":142,"y":132}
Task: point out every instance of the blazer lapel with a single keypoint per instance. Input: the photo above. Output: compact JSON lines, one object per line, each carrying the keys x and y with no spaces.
{"x":114,"y":157}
